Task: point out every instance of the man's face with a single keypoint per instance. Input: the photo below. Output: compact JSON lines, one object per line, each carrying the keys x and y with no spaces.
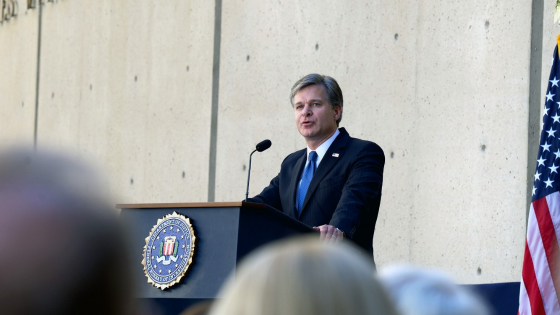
{"x":315,"y":118}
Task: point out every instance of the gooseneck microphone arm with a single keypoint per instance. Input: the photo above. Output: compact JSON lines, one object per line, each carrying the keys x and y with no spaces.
{"x":249,"y":175}
{"x":261,"y":146}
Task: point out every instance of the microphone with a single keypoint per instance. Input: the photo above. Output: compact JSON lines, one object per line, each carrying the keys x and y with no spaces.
{"x":261,"y":146}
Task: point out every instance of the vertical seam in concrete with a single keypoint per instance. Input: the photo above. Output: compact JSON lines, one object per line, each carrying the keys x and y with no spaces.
{"x":215,"y":95}
{"x":417,"y":45}
{"x":535,"y":100}
{"x":36,"y":122}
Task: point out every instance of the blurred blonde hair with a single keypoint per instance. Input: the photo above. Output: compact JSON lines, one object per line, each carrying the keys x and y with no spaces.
{"x":304,"y":276}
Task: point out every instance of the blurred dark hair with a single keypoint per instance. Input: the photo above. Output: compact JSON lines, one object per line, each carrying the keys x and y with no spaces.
{"x":62,"y":248}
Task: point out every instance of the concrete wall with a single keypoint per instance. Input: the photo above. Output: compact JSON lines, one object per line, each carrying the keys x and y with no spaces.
{"x":18,"y":76}
{"x":129,"y":84}
{"x":551,"y":31}
{"x":442,"y":86}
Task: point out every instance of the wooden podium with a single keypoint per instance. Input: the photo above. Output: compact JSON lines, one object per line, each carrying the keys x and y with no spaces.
{"x":225,"y":231}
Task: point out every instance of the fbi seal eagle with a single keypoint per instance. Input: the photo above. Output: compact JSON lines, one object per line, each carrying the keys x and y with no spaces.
{"x":169,"y":250}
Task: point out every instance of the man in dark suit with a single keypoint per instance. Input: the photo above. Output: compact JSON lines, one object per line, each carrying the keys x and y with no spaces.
{"x":335,"y":184}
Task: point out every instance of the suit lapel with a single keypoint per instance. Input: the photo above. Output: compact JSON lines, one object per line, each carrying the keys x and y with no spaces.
{"x":296,"y":174}
{"x":326,"y":164}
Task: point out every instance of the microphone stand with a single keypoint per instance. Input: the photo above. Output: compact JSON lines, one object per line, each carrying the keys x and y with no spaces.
{"x":249,"y":176}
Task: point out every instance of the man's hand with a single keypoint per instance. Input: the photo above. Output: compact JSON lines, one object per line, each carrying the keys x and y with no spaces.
{"x":329,"y":233}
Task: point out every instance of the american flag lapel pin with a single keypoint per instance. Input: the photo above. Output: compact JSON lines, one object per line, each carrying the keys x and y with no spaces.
{"x":335,"y":155}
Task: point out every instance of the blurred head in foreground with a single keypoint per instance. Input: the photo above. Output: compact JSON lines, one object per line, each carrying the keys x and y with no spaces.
{"x":62,"y":250}
{"x":304,"y":276}
{"x":419,"y":291}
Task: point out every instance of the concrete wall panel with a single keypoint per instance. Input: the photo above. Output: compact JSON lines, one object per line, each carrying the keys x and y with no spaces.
{"x":443,"y":91}
{"x":18,"y":68}
{"x":471,"y":137}
{"x":551,"y":31}
{"x":129,"y":83}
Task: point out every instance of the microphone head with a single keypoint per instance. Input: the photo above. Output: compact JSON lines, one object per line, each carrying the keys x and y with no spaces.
{"x":263,"y":145}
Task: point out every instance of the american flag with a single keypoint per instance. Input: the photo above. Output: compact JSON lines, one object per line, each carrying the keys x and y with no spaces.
{"x":540,"y":283}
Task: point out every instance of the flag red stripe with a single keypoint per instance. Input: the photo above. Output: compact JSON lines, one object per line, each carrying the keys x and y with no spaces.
{"x":530,"y":280}
{"x":540,"y":264}
{"x":553,"y":201}
{"x":548,"y":237}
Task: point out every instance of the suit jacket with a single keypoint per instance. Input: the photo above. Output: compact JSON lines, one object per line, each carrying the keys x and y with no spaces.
{"x":345,"y":190}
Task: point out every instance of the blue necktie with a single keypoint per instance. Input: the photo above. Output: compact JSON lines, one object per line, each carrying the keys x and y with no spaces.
{"x":306,"y":179}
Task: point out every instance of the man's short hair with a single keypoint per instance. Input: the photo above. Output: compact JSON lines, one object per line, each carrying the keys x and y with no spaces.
{"x":334,"y":93}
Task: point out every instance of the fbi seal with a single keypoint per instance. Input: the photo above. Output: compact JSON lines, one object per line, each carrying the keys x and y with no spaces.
{"x":169,"y":250}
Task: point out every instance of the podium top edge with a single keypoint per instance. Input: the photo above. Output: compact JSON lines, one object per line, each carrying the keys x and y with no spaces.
{"x":232,"y":204}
